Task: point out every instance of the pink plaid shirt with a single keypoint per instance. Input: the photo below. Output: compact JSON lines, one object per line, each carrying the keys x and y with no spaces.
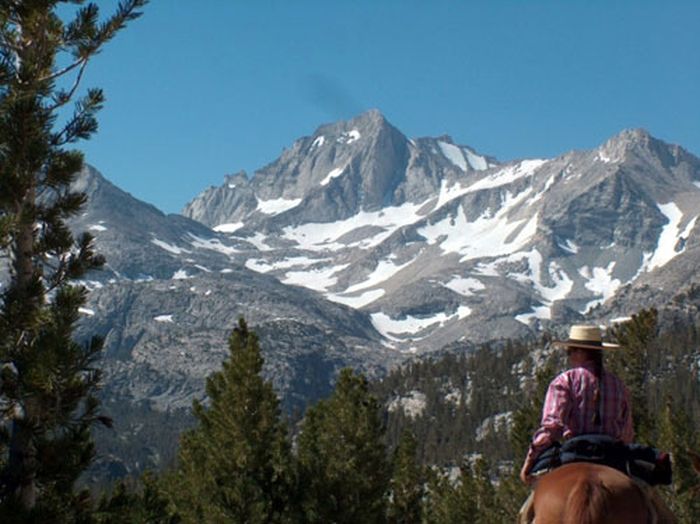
{"x":569,"y":407}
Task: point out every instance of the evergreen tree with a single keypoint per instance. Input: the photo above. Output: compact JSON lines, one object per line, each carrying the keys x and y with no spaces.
{"x":633,"y":363}
{"x":47,"y":391}
{"x":678,"y":436}
{"x":236,"y":464}
{"x":511,"y":491}
{"x":487,"y":507}
{"x":342,"y":458}
{"x":406,"y":486}
{"x":125,"y":506}
{"x":451,"y":501}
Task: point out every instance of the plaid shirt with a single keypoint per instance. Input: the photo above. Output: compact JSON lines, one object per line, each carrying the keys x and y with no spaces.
{"x":569,"y":407}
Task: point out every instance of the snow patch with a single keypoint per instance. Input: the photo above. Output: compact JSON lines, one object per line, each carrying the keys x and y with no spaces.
{"x":464,"y":286}
{"x":229,"y":227}
{"x":258,"y":240}
{"x":487,"y":236}
{"x":697,"y":184}
{"x":262,"y":266}
{"x":335,"y":173}
{"x":212,"y":244}
{"x":349,"y":137}
{"x":600,"y":281}
{"x":277,"y":205}
{"x":569,"y":246}
{"x":453,"y":154}
{"x":604,"y":158}
{"x":164,"y":318}
{"x":90,"y":285}
{"x":353,"y":136}
{"x":316,"y":279}
{"x":86,"y":311}
{"x":502,"y":177}
{"x":169,"y":247}
{"x":97,"y":227}
{"x":320,"y":236}
{"x":411,"y":325}
{"x":180,"y":274}
{"x":319,"y":141}
{"x":561,"y":286}
{"x":538,"y":312}
{"x":666,"y":248}
{"x":477,"y":162}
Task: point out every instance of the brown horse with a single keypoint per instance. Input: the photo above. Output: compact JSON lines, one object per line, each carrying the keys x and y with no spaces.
{"x":585,"y":493}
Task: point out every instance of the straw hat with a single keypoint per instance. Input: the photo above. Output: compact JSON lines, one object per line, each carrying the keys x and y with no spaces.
{"x":586,"y":337}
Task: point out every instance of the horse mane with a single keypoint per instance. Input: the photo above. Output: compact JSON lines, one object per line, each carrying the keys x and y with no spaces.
{"x":587,"y":501}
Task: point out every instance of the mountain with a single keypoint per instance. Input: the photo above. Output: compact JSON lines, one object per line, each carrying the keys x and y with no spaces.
{"x":171,"y":293}
{"x":439,"y":243}
{"x":361,"y":247}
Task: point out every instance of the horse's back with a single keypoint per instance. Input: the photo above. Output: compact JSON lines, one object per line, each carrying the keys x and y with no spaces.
{"x":585,"y":493}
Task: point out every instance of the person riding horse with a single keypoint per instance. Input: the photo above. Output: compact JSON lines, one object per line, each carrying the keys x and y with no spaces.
{"x":588,"y":404}
{"x":585,"y":399}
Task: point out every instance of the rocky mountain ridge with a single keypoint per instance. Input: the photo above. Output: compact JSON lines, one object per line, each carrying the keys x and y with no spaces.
{"x":452,"y":244}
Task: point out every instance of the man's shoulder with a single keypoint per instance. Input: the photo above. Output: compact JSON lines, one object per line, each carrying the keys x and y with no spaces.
{"x":566,"y":376}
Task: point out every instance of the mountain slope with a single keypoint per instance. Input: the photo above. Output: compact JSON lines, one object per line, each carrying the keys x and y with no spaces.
{"x":172,"y":291}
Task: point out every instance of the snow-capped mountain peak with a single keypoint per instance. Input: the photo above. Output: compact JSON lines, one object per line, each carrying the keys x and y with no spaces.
{"x":375,"y":220}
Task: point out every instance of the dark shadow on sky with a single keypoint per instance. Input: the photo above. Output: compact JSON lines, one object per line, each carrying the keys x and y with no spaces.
{"x":329,"y":96}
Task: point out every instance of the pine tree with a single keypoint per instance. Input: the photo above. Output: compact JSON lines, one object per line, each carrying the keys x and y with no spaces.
{"x":342,"y":458}
{"x":633,"y":363}
{"x":678,"y":436}
{"x":451,"y":501}
{"x":406,"y":486}
{"x":236,"y":464}
{"x":126,"y":506}
{"x":511,"y":491}
{"x":488,"y":509}
{"x":47,"y":392}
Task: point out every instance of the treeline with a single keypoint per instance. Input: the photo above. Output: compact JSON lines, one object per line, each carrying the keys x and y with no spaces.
{"x":660,"y":363}
{"x":458,"y":401}
{"x":461,"y":395}
{"x":351,"y":460}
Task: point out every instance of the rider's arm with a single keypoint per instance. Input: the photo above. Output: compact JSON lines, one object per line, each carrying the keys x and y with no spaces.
{"x":555,"y":413}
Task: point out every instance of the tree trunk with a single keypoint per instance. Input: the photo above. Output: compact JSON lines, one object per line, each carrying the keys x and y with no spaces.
{"x":22,"y":463}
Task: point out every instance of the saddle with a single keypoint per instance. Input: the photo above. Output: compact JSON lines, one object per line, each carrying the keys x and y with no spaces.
{"x":643,"y":462}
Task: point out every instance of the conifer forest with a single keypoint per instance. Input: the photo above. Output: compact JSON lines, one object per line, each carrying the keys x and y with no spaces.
{"x":436,"y":440}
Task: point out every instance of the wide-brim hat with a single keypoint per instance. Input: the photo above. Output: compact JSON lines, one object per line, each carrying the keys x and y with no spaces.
{"x":586,"y":337}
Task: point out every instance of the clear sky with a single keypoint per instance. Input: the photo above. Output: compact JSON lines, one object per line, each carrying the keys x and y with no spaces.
{"x":197,"y":90}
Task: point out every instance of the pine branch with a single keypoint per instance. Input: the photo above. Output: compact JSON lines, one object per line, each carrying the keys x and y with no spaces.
{"x":63,"y":97}
{"x":86,"y":36}
{"x":83,"y":123}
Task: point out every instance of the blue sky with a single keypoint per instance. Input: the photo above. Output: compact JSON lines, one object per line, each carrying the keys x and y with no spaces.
{"x":197,"y":90}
